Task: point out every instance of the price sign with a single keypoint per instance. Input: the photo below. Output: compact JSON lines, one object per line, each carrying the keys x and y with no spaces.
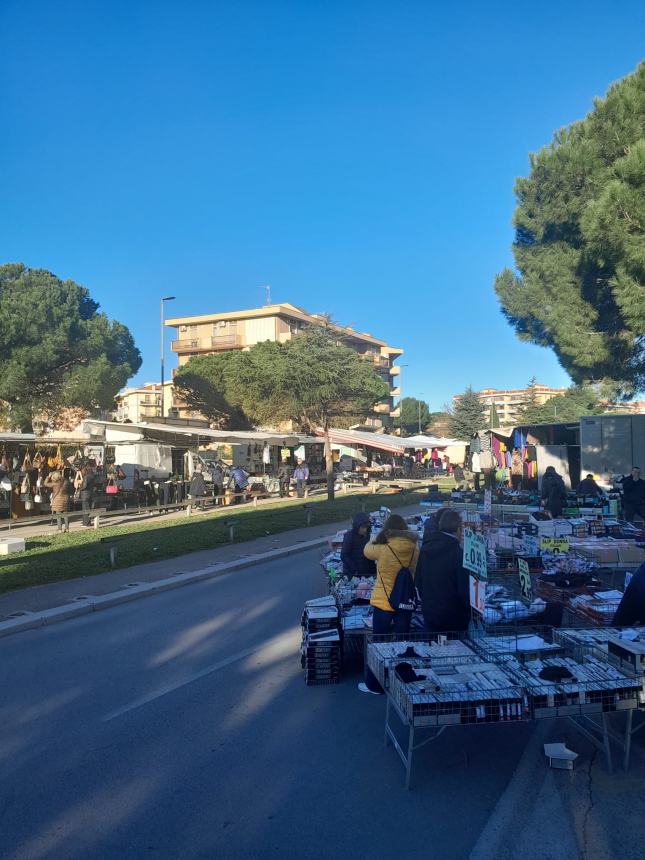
{"x":488,"y":501}
{"x":525,"y":579}
{"x":475,"y":553}
{"x":530,"y":544}
{"x":477,"y":594}
{"x":549,"y":544}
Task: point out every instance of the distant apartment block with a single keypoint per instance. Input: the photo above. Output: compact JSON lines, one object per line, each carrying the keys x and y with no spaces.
{"x":211,"y":333}
{"x":509,"y":402}
{"x":143,"y":403}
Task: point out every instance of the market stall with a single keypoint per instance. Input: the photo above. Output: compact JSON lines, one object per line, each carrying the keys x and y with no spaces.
{"x":540,"y":644}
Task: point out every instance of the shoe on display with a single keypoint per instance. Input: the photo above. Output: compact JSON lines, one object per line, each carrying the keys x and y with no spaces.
{"x":365,"y":689}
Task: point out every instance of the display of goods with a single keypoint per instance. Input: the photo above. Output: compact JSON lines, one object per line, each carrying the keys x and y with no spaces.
{"x":461,"y":694}
{"x":563,"y":686}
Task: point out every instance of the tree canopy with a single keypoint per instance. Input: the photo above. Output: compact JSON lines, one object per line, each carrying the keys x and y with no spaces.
{"x":311,"y":380}
{"x":469,"y":415}
{"x":56,"y":349}
{"x":415,"y":415}
{"x":574,"y":403}
{"x":580,"y":244}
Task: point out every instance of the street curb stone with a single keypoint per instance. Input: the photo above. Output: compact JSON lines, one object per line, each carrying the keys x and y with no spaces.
{"x":127,"y":594}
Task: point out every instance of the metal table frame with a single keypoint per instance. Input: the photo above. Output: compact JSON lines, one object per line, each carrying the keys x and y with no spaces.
{"x":600,"y":735}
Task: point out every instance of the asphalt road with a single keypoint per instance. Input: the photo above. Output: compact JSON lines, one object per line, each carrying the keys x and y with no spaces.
{"x":179,"y":726}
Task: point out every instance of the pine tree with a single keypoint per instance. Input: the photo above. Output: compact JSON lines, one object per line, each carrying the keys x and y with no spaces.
{"x":468,"y":415}
{"x":579,"y":244}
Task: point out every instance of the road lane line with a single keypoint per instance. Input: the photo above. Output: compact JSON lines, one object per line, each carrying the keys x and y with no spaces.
{"x":164,"y":691}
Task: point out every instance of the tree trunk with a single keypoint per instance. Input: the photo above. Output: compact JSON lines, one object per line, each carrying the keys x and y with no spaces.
{"x":329,"y":462}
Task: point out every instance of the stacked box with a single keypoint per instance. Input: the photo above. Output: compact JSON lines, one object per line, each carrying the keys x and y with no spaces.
{"x":320,"y":652}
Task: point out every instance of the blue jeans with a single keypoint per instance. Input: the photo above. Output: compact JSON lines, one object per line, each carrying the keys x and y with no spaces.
{"x":387,"y":622}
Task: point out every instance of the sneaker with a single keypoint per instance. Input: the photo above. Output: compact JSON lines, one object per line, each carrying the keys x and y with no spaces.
{"x":365,"y":689}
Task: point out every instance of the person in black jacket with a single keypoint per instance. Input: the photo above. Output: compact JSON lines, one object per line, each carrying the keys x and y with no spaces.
{"x":442,"y":581}
{"x":634,"y":495}
{"x":631,"y":609}
{"x":554,"y":493}
{"x":351,"y":554}
{"x":87,"y":488}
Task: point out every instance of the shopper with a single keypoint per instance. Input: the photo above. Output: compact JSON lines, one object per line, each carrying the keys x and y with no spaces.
{"x":301,"y":476}
{"x":240,"y":481}
{"x":87,"y":487}
{"x":634,"y":495}
{"x":442,"y":582}
{"x":61,"y":490}
{"x":197,"y":486}
{"x":631,"y":609}
{"x":217,"y":477}
{"x":284,"y":478}
{"x":554,"y":493}
{"x":434,"y":458}
{"x":517,"y":469}
{"x":354,"y":541}
{"x":395,"y":547}
{"x":476,"y":469}
{"x":589,"y":487}
{"x":458,"y":474}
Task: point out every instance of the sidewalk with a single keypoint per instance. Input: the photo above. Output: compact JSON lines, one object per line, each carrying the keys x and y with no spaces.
{"x":42,"y":597}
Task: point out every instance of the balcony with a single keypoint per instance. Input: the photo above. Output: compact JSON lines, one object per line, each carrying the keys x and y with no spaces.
{"x":395,"y":370}
{"x":395,"y":392}
{"x":383,"y":408}
{"x":208,"y":344}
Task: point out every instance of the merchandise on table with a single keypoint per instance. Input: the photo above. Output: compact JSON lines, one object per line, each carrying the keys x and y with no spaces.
{"x":528,"y":645}
{"x":462,"y":693}
{"x":599,"y":607}
{"x":382,"y":656}
{"x":564,"y":686}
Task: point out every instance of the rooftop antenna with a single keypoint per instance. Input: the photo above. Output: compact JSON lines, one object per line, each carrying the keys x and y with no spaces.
{"x":267,"y":287}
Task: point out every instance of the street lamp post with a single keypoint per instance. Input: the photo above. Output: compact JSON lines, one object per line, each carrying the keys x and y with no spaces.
{"x":419,"y":410}
{"x":161,"y":303}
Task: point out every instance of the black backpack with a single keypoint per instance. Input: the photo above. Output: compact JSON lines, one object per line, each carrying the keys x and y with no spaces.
{"x":403,"y":595}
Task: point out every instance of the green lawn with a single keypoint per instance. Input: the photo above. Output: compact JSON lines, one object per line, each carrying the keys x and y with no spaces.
{"x":67,"y":556}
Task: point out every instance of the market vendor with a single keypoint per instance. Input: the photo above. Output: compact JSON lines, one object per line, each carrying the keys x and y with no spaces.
{"x":554,"y":493}
{"x":588,"y":487}
{"x":351,"y":554}
{"x":631,"y":609}
{"x":634,"y":495}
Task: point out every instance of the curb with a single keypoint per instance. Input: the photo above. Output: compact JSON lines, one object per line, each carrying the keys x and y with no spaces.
{"x":129,"y":593}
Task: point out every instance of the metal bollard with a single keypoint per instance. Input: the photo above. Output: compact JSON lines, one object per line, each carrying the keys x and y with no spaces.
{"x":307,"y":511}
{"x":231,"y":530}
{"x":113,"y":554}
{"x":189,"y":509}
{"x":255,"y":501}
{"x":96,"y":521}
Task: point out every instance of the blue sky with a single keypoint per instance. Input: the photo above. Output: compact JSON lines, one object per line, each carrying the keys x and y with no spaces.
{"x":357,"y":156}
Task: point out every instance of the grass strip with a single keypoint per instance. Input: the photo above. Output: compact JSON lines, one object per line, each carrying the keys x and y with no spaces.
{"x":53,"y":558}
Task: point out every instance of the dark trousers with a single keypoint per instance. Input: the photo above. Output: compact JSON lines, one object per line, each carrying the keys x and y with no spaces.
{"x":476,"y":480}
{"x":300,"y":488}
{"x":516,"y":481}
{"x":633,"y":509}
{"x":489,"y":479}
{"x":284,"y":488}
{"x":387,"y":622}
{"x":86,"y":507}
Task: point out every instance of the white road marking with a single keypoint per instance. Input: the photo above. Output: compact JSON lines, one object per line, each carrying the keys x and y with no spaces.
{"x":164,"y":691}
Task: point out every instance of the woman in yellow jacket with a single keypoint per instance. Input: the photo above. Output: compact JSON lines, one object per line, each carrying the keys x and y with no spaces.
{"x":395,"y":547}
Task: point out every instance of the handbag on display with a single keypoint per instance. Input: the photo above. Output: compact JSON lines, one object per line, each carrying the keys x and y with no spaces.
{"x":78,"y":480}
{"x":26,"y":463}
{"x":25,"y":487}
{"x":28,"y":504}
{"x":5,"y":484}
{"x":38,"y":499}
{"x":111,"y":488}
{"x":37,"y":461}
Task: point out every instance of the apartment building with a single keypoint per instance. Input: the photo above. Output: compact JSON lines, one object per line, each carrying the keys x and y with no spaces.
{"x":143,"y":403}
{"x":211,"y":333}
{"x":509,"y":402}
